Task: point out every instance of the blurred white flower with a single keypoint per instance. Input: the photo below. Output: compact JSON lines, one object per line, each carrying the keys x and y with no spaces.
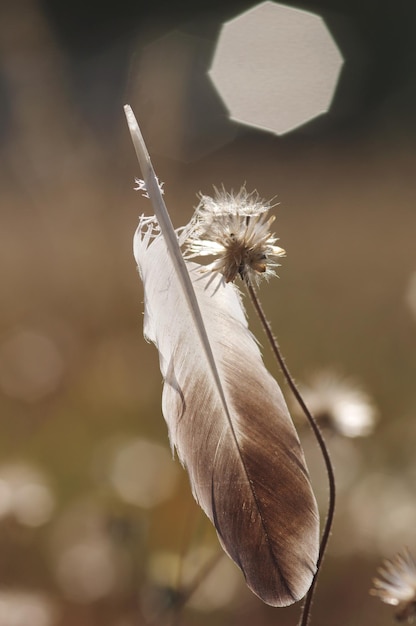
{"x":236,"y":229}
{"x":396,"y":585}
{"x":25,"y":494}
{"x":26,"y":608}
{"x":339,"y":405}
{"x":31,"y":366}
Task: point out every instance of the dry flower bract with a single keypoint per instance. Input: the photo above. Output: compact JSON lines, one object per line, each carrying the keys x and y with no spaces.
{"x":396,"y":585}
{"x":236,"y":229}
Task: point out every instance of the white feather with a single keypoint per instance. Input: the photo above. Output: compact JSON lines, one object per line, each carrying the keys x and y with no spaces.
{"x":226,"y":414}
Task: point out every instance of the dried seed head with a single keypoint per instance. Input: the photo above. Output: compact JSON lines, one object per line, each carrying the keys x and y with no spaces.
{"x":236,"y":229}
{"x":397,"y":585}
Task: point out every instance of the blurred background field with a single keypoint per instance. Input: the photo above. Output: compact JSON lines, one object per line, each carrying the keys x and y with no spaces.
{"x":97,"y":525}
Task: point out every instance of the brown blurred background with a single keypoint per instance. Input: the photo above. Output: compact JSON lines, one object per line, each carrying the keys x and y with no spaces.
{"x":97,"y":526}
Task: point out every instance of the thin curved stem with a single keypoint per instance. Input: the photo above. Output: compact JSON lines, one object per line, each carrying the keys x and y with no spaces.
{"x":321,"y":442}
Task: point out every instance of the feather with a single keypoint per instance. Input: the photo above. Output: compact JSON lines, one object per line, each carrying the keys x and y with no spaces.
{"x":226,"y":415}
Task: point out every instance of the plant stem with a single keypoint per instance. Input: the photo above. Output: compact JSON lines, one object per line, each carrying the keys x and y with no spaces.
{"x":306,"y":611}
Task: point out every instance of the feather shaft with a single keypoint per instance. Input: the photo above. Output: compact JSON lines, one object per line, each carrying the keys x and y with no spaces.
{"x":171,"y":239}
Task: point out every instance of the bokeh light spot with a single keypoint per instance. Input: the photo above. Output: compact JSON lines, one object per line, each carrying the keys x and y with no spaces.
{"x":24,"y":608}
{"x":87,"y":563}
{"x":31,"y":365}
{"x":143,"y":473}
{"x":194,"y":123}
{"x":86,"y":571}
{"x":25,"y":494}
{"x":276,"y":67}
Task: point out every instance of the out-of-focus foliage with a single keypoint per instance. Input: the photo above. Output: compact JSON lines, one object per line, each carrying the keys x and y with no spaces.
{"x":97,"y":525}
